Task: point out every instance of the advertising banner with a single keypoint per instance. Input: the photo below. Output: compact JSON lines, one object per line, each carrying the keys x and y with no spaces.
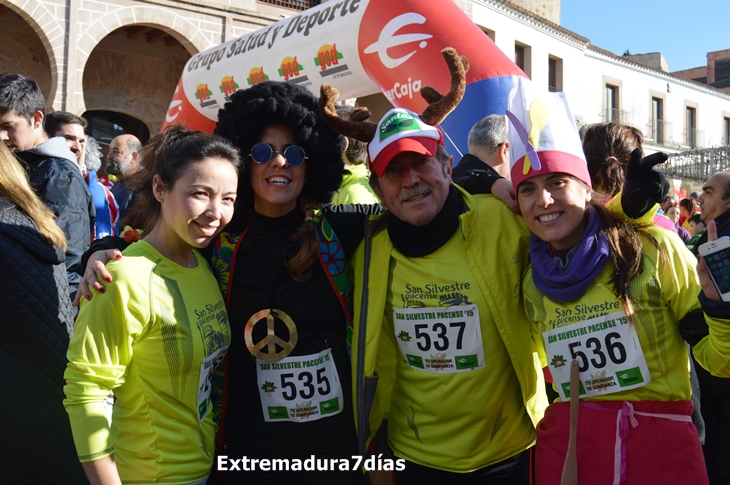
{"x":360,"y":47}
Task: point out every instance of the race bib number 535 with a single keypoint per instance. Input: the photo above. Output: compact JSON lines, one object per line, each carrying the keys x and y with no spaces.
{"x":300,"y":389}
{"x":440,"y":340}
{"x":608,"y":352}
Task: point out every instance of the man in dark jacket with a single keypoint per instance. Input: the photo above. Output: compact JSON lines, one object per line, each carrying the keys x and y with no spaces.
{"x":480,"y":170}
{"x":51,"y":166}
{"x":488,"y":149}
{"x":714,"y":391}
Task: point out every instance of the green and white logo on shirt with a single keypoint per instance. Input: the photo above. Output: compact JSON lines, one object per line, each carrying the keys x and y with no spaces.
{"x":278,"y":412}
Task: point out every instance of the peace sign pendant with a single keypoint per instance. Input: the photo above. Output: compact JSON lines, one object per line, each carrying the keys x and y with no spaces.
{"x":271,"y":340}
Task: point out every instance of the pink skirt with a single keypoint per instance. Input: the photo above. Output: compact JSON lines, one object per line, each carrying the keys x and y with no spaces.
{"x":622,"y":443}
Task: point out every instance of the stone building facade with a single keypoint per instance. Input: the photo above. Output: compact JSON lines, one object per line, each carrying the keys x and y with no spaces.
{"x":120,"y":56}
{"x":676,"y":111}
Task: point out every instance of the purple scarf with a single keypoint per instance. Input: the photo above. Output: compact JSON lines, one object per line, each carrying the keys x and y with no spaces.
{"x":564,"y":284}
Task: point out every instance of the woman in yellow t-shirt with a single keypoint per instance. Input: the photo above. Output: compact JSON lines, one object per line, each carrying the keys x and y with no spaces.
{"x":160,"y":327}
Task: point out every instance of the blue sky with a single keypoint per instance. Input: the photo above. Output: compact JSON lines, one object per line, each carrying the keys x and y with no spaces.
{"x":683,"y":31}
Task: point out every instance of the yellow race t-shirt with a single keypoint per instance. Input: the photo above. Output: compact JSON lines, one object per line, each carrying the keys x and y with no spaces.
{"x":619,"y":360}
{"x":153,"y":337}
{"x":456,"y":403}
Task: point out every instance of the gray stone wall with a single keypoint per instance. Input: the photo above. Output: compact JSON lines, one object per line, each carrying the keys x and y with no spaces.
{"x":64,"y":45}
{"x":23,"y":52}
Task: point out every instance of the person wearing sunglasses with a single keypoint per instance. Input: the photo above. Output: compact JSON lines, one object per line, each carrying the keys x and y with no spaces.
{"x":288,"y":272}
{"x":282,"y":268}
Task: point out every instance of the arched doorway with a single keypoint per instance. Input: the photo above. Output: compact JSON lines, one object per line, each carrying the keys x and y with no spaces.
{"x":134,"y":71}
{"x":23,"y":52}
{"x":104,"y":126}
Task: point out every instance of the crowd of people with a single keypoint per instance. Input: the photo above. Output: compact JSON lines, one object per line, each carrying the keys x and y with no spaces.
{"x":307,"y":284}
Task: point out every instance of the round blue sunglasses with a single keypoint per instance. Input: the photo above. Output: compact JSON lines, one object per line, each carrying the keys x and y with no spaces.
{"x":263,"y":152}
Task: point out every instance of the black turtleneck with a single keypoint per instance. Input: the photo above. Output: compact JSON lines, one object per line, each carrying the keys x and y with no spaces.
{"x":416,"y":241}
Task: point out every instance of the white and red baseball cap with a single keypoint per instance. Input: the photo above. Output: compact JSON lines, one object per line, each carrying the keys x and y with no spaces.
{"x":399,"y":131}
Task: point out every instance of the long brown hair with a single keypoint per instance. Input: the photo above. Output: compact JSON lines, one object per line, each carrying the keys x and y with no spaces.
{"x":625,"y":248}
{"x":300,"y":265}
{"x":15,"y":187}
{"x":607,"y":148}
{"x":689,"y":205}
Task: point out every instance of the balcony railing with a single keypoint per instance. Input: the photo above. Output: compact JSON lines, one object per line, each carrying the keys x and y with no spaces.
{"x":659,"y":132}
{"x":694,"y":138}
{"x":293,"y":4}
{"x":697,"y":165}
{"x":612,"y":115}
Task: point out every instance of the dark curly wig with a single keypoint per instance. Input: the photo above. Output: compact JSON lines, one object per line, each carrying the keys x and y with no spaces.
{"x":243,"y":119}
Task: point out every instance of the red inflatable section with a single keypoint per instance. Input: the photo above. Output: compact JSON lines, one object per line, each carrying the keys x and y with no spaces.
{"x":181,"y":111}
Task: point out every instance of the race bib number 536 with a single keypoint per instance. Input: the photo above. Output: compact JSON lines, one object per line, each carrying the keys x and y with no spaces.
{"x":608,"y":352}
{"x":440,"y":340}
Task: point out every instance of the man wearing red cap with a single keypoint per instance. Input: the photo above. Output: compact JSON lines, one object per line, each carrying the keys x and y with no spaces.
{"x":439,"y":307}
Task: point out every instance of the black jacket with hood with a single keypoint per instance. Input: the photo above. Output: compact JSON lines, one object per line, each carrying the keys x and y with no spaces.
{"x":57,"y":180}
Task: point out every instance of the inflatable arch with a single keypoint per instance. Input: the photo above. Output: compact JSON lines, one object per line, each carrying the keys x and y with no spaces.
{"x":360,"y":47}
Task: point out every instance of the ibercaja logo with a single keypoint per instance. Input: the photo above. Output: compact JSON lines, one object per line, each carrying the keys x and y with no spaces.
{"x":292,"y":71}
{"x":398,"y":50}
{"x":256,"y":75}
{"x":203,"y":95}
{"x":228,"y":86}
{"x":329,"y":62}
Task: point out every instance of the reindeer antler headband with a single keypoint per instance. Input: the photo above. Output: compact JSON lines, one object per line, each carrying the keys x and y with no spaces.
{"x":400,"y":129}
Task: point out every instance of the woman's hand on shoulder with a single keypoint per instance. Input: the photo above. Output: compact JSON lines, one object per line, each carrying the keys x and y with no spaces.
{"x":95,"y":272}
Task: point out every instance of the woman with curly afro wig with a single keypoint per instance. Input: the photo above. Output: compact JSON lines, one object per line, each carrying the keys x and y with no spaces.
{"x":282,"y":265}
{"x":250,"y":111}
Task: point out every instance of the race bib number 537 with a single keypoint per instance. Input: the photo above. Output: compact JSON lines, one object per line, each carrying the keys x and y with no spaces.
{"x":608,"y":352}
{"x":440,"y":340}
